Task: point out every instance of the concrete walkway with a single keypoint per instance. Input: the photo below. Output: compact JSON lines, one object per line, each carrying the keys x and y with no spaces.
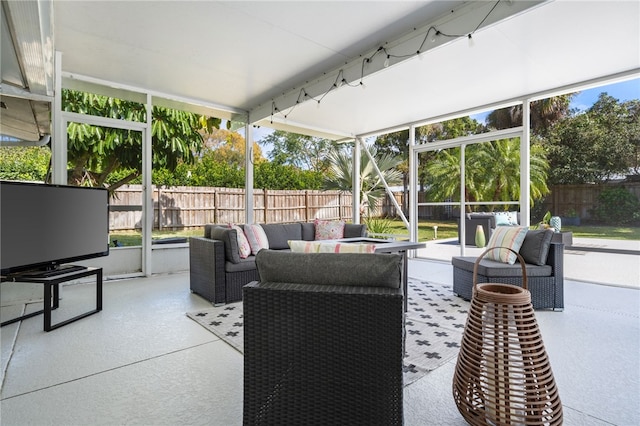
{"x":615,"y":263}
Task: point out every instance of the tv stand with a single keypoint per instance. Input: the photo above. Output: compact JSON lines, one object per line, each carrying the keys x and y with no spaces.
{"x":51,"y":284}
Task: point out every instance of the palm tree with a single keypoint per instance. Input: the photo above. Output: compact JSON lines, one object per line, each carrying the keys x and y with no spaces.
{"x":544,"y":113}
{"x":339,"y":176}
{"x":492,"y":173}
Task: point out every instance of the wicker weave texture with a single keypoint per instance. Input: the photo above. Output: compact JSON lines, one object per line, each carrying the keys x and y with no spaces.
{"x":503,"y":375}
{"x":206,"y":269}
{"x":235,"y":281}
{"x":322,"y":355}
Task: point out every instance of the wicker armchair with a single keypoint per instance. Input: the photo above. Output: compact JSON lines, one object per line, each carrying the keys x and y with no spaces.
{"x":545,"y":282}
{"x":323,"y":340}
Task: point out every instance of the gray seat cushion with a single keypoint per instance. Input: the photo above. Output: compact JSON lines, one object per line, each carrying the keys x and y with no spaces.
{"x":491,"y":268}
{"x":351,"y":269}
{"x":352,"y":230}
{"x":248,"y":264}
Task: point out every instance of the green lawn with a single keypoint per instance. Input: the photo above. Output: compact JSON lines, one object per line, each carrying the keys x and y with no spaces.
{"x":426,"y":232}
{"x":449,"y":229}
{"x":134,"y":238}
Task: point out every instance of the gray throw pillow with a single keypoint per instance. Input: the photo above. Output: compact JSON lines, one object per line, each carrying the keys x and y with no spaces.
{"x":308,"y":231}
{"x":230,"y":239}
{"x":279,"y":234}
{"x":535,"y":247}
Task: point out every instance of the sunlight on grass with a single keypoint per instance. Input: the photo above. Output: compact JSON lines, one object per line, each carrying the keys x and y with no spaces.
{"x":426,"y":232}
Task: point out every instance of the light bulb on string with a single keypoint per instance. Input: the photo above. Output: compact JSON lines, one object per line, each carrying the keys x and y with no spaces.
{"x":386,"y":62}
{"x":471,"y":43}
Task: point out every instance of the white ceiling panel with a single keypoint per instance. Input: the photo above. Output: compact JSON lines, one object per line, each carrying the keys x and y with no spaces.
{"x":245,"y":56}
{"x":557,"y":44}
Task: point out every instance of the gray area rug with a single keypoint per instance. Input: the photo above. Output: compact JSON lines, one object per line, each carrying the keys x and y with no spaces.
{"x":434,"y":324}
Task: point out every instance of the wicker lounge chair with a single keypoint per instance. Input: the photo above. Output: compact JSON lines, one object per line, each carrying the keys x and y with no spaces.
{"x":323,"y":340}
{"x":545,"y":282}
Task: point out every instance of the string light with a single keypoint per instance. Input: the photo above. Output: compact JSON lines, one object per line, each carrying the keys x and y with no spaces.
{"x":342,"y":81}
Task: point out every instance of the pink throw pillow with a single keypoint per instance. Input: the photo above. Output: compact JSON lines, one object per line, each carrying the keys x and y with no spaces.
{"x":329,"y":229}
{"x":244,"y":248}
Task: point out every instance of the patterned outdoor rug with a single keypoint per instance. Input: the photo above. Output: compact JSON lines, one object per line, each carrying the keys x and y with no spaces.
{"x":434,"y":324}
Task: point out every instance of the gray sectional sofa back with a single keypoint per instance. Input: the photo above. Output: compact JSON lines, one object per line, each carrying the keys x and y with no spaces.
{"x":217,"y":272}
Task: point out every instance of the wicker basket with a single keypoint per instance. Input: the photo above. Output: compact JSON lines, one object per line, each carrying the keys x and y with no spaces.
{"x":503,"y":375}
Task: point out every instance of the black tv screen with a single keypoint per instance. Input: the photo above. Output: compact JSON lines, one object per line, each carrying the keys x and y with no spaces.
{"x":43,"y":226}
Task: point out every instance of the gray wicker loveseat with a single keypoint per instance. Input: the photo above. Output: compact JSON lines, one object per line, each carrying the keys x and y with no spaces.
{"x":543,"y":263}
{"x":323,"y":340}
{"x":218,"y":273}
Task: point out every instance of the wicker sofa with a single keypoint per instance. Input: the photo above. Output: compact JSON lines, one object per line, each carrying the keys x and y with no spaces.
{"x":218,"y":273}
{"x":545,"y":278}
{"x":323,"y":340}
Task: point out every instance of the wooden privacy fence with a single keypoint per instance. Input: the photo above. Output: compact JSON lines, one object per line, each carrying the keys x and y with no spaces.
{"x":580,"y":200}
{"x":190,"y":206}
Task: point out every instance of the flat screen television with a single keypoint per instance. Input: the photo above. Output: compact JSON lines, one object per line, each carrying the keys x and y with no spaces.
{"x":45,"y":226}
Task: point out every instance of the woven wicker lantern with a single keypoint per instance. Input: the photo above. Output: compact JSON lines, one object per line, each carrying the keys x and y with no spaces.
{"x":503,"y":375}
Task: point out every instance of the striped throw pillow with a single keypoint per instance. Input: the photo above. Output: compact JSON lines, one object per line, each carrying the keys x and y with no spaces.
{"x":317,"y":247}
{"x":509,"y":237}
{"x":256,"y":237}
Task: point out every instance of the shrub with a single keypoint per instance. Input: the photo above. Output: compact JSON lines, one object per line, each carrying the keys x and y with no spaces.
{"x":24,"y":163}
{"x":378,"y":225}
{"x":617,"y":206}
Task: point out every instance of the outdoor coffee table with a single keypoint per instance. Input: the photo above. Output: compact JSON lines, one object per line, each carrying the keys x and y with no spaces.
{"x":389,"y":246}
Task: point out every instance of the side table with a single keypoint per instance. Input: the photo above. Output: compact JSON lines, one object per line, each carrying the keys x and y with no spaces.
{"x":565,"y":238}
{"x":51,"y":288}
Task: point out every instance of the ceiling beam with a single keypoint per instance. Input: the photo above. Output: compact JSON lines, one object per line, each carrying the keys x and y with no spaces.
{"x":463,"y":21}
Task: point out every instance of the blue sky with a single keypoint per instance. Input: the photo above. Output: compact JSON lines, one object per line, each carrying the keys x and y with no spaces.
{"x":622,"y":91}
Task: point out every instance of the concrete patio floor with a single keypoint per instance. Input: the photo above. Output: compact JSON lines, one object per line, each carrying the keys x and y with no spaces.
{"x":592,"y":260}
{"x":142,"y":361}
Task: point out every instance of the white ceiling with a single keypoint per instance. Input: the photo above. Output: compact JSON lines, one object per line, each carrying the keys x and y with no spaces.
{"x":242,"y":57}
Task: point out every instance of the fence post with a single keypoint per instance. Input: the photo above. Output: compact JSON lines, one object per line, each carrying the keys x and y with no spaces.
{"x":159,"y":209}
{"x":266,"y":206}
{"x":215,"y":205}
{"x":306,"y":205}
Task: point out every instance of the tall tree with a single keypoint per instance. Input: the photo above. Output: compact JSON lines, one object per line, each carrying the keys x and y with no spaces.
{"x":302,"y":151}
{"x":95,"y":152}
{"x":339,"y":176}
{"x":597,"y":145}
{"x":544,"y":113}
{"x":230,"y":147}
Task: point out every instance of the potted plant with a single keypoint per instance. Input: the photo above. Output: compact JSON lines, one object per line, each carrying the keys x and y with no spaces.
{"x":571,"y":218}
{"x":544,"y":223}
{"x":550,"y":222}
